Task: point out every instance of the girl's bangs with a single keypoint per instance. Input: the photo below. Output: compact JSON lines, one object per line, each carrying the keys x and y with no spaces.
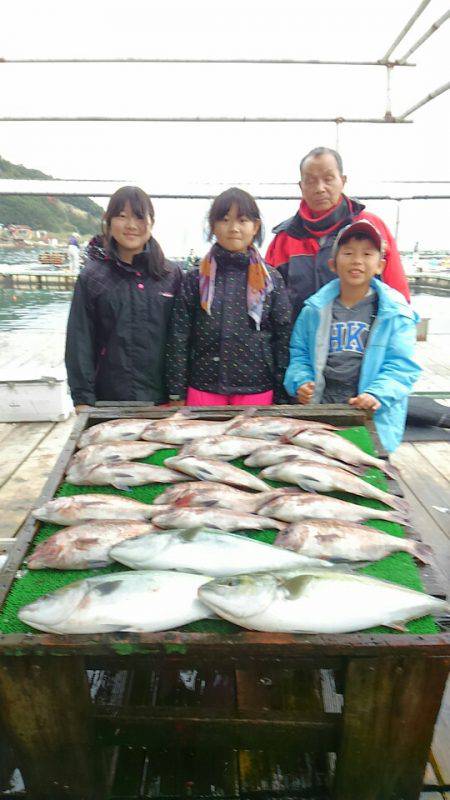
{"x":139,"y":203}
{"x":246,"y":206}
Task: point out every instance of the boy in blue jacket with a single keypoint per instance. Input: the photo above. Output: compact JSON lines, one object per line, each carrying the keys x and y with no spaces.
{"x":354,"y":339}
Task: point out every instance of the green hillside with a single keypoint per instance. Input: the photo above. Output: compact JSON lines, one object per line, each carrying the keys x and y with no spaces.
{"x":57,"y":215}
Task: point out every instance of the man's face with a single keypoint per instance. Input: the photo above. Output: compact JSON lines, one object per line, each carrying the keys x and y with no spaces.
{"x":321,"y":182}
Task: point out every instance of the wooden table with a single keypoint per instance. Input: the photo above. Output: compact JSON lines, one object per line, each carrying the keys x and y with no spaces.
{"x":378,"y":715}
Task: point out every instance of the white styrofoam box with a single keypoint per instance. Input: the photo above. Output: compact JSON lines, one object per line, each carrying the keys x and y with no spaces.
{"x":31,"y":396}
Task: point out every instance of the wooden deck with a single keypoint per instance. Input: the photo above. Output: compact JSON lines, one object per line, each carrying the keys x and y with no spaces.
{"x":30,"y":450}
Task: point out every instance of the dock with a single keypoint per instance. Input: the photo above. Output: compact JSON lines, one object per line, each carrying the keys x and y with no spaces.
{"x":37,"y":279}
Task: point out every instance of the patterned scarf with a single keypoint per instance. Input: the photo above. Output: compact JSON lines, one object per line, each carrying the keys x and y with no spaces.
{"x":259,"y":282}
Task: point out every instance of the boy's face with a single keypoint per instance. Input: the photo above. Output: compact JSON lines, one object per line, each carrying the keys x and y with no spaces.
{"x":357,"y":261}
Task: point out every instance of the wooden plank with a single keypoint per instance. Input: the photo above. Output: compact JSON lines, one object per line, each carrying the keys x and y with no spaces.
{"x":19,"y":494}
{"x":438,"y":455}
{"x":6,"y":428}
{"x":281,"y":766}
{"x":236,"y":648}
{"x":441,"y":741}
{"x":390,"y":707}
{"x":429,"y":532}
{"x":174,"y":726}
{"x":28,"y":529}
{"x":51,"y":733}
{"x":18,"y":444}
{"x":425,"y":482}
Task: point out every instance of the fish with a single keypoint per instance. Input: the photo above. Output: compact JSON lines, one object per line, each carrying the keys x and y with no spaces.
{"x":113,"y":430}
{"x":315,"y":600}
{"x":121,"y":475}
{"x":111,"y":452}
{"x":347,"y":541}
{"x":203,"y":494}
{"x":271,"y":428}
{"x":212,"y":552}
{"x":223,"y":518}
{"x":84,"y":507}
{"x":136,"y":601}
{"x":181,"y":429}
{"x":85,"y":546}
{"x":276,"y":453}
{"x":321,"y":478}
{"x":224,"y":448}
{"x":335,"y":446}
{"x":207,"y":469}
{"x":304,"y":505}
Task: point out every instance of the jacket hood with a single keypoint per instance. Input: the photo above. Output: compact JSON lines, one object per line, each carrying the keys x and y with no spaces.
{"x":295,"y":227}
{"x":390,"y":301}
{"x":96,"y":249}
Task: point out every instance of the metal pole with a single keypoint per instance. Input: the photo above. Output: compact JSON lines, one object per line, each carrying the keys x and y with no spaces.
{"x":426,"y":35}
{"x":201,"y":119}
{"x":444,"y":88}
{"x":291,"y":61}
{"x":388,"y":114}
{"x":405,"y":30}
{"x":397,"y":220}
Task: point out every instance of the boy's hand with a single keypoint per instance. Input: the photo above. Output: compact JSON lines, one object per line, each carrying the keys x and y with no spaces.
{"x":82,"y":407}
{"x":305,"y":392}
{"x":365,"y":401}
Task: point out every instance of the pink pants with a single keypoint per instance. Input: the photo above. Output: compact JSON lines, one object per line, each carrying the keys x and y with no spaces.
{"x":195,"y":397}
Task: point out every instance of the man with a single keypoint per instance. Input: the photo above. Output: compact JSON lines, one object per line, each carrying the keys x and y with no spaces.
{"x":302,"y":245}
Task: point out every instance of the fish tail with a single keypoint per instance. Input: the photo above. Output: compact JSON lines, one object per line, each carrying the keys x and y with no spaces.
{"x":388,"y":468}
{"x":399,"y":517}
{"x":423,"y":552}
{"x":399,"y":503}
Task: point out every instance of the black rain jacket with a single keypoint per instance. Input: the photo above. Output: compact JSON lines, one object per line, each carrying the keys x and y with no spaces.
{"x":223,"y":352}
{"x":117,"y":329}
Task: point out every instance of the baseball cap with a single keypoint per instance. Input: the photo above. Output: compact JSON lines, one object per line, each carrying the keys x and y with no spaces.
{"x":362,"y":226}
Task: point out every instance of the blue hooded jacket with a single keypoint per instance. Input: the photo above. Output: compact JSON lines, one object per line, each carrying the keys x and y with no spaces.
{"x":388,"y":371}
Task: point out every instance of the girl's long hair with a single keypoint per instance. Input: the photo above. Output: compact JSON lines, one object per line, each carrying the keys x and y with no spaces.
{"x":141,"y":206}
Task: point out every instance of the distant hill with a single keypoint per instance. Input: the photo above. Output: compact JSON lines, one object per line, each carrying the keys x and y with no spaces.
{"x":54,"y":214}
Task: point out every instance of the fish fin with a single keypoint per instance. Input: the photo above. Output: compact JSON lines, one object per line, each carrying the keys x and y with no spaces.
{"x":121,"y":485}
{"x":423,"y":552}
{"x":184,"y":502}
{"x":204,"y":474}
{"x":396,"y":626}
{"x":97,"y":564}
{"x":113,"y":459}
{"x":278,"y":525}
{"x":248,"y":412}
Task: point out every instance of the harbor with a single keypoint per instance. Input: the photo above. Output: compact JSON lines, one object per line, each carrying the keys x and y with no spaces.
{"x":190,"y":607}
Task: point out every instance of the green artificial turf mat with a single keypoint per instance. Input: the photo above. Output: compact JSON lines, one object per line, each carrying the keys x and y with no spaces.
{"x":31,"y":584}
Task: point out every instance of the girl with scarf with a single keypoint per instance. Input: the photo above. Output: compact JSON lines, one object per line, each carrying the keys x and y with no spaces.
{"x":116,"y":334}
{"x":229,"y":335}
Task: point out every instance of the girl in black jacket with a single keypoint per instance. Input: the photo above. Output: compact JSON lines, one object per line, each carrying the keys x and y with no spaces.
{"x":116,"y":334}
{"x":229,"y":334}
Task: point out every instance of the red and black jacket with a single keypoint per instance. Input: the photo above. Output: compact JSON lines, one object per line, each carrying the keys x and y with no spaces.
{"x":302,"y":247}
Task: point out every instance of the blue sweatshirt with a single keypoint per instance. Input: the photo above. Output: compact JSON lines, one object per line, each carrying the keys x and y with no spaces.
{"x":388,"y":371}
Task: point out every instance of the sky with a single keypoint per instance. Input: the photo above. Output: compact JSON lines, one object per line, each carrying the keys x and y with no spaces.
{"x":208,"y":157}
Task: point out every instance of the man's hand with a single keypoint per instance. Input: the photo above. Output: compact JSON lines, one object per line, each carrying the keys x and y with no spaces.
{"x":305,"y":392}
{"x":366,"y":402}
